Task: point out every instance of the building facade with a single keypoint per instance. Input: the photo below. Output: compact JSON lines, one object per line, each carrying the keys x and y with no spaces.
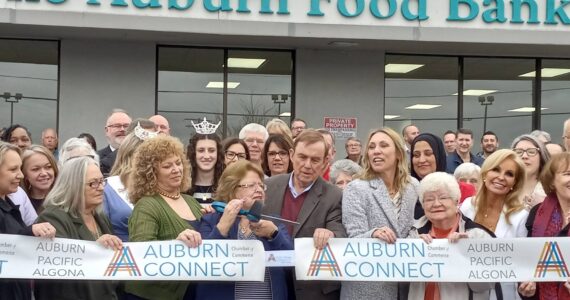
{"x":484,"y":65}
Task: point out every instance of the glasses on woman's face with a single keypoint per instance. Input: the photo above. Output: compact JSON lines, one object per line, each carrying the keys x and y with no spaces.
{"x":97,"y":183}
{"x":253,"y":185}
{"x":231,"y":155}
{"x":430,"y":201}
{"x":530,"y":151}
{"x":282,"y":154}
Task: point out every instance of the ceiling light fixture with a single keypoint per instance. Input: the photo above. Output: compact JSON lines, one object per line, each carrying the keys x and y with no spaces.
{"x":547,"y":72}
{"x":401,"y":68}
{"x":525,"y":109}
{"x":473,"y":92}
{"x":390,"y":117}
{"x":285,"y":114}
{"x":220,"y":85}
{"x":245,"y":63}
{"x":423,"y":106}
{"x":341,"y":44}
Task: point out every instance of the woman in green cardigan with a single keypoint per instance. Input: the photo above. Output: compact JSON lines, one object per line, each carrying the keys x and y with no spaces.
{"x":159,"y":172}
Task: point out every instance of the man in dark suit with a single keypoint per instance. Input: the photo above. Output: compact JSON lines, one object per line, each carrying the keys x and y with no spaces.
{"x":303,"y":196}
{"x":115,"y":132}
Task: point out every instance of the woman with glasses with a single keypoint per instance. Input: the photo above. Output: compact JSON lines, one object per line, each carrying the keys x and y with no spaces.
{"x":439,"y":194}
{"x":207,"y":161}
{"x":498,"y":203}
{"x":40,"y":171}
{"x":534,"y":155}
{"x":235,"y":150}
{"x":73,"y":207}
{"x":276,"y":155}
{"x":161,"y":212}
{"x":243,"y":183}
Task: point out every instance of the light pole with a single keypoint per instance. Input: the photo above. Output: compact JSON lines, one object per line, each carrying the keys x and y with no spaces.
{"x":8,"y":98}
{"x":486,"y":101}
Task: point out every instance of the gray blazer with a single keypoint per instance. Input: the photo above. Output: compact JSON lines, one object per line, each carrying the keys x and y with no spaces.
{"x":321,"y":209}
{"x":366,"y":206}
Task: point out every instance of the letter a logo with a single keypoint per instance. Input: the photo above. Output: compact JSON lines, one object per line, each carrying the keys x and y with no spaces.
{"x":123,"y":261}
{"x":324,"y":260}
{"x":551,"y":260}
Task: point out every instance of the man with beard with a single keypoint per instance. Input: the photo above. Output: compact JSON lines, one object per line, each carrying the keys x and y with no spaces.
{"x":489,"y":144}
{"x":462,"y":152}
{"x":115,"y":132}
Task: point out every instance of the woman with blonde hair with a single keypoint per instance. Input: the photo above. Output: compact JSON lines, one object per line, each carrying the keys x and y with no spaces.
{"x":278,"y":126}
{"x":380,"y":204}
{"x":498,"y":203}
{"x":116,"y":202}
{"x":40,"y":171}
{"x":160,"y":173}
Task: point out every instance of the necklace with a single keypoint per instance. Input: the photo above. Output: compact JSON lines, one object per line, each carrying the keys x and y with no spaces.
{"x":171,"y":196}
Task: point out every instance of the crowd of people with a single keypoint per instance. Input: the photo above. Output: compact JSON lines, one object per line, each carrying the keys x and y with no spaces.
{"x":146,"y":185}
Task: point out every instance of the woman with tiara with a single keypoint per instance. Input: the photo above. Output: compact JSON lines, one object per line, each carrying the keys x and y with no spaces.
{"x":207,"y":160}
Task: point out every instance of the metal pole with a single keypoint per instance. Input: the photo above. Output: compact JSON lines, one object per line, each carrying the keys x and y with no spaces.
{"x":485,"y":119}
{"x":11,"y":113}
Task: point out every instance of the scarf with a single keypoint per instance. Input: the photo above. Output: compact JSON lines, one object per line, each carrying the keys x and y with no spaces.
{"x":548,"y":222}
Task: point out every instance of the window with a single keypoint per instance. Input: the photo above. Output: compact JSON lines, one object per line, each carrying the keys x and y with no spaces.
{"x":497,"y":96}
{"x":554,"y":97}
{"x":29,"y":84}
{"x":191,"y":86}
{"x":420,"y":90}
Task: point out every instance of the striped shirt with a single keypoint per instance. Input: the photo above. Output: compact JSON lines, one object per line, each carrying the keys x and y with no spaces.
{"x":253,"y":290}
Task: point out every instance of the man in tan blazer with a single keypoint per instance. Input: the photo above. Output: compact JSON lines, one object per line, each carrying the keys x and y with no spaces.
{"x":303,"y":196}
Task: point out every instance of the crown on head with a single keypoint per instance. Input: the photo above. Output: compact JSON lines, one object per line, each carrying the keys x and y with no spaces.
{"x":144,"y":134}
{"x":205,"y":127}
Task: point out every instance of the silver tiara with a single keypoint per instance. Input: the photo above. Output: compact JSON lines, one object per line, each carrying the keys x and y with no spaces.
{"x":144,"y":134}
{"x":205,"y":127}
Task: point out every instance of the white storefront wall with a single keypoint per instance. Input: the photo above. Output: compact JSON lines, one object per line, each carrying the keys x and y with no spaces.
{"x":108,"y":53}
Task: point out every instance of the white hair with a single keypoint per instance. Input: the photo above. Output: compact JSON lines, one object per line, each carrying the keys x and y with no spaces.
{"x":68,"y":192}
{"x":466,"y":169}
{"x":76,"y":147}
{"x":346,"y":166}
{"x":253,"y":127}
{"x":440,"y":180}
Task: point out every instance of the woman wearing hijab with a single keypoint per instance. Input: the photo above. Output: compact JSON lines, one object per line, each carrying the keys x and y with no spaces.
{"x":427,"y":155}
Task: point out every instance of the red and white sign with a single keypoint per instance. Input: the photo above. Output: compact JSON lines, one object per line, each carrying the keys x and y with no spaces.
{"x":342,"y":128}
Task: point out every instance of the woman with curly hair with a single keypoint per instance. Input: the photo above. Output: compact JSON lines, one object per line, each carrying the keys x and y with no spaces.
{"x":160,"y":171}
{"x":207,"y":160}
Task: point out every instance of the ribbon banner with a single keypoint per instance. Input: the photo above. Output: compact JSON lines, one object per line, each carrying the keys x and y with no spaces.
{"x":469,"y":260}
{"x":219,"y":260}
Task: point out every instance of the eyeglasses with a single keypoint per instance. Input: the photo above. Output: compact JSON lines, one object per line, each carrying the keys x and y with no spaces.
{"x":431,"y":200}
{"x":119,"y":126}
{"x":253,"y":185}
{"x":530,"y":151}
{"x":251,"y":141}
{"x":353,"y":145}
{"x":232,"y":155}
{"x":282,"y":154}
{"x":97,"y":183}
